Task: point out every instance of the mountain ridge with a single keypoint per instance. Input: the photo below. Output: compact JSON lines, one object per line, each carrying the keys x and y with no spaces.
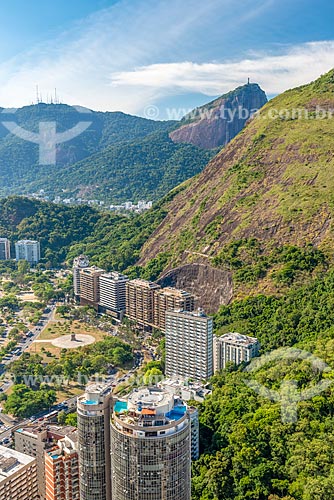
{"x":274,"y":182}
{"x":118,"y":158}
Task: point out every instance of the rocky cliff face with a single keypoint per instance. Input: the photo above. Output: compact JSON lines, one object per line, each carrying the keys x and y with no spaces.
{"x":218,"y":122}
{"x":211,"y":287}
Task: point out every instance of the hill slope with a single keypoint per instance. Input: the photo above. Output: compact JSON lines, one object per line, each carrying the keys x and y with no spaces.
{"x":274,"y":183}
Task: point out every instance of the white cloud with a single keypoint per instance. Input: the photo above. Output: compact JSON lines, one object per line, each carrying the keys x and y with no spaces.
{"x":108,"y":61}
{"x":79,"y":63}
{"x":275,"y":73}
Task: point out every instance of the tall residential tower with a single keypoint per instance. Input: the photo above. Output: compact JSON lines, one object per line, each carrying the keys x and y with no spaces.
{"x":189,"y":339}
{"x":28,"y":250}
{"x":4,"y":249}
{"x":94,"y":443}
{"x":80,"y":262}
{"x":151,"y":447}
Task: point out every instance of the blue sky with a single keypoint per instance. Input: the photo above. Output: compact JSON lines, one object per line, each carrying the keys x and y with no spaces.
{"x":129,"y":55}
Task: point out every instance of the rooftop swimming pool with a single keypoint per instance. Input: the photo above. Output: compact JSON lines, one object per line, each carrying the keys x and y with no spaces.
{"x":120,"y":406}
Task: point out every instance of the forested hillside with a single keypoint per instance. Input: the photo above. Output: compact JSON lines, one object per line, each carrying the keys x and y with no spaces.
{"x":248,"y":451}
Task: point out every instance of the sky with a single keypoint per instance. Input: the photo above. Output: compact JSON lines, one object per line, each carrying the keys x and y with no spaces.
{"x":159,"y":58}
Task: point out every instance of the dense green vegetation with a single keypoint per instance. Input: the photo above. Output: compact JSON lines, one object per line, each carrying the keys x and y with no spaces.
{"x":145,"y":169}
{"x":272,"y":182}
{"x":251,"y":259}
{"x":76,"y":364}
{"x":24,"y":402}
{"x":119,"y":157}
{"x":111,"y":241}
{"x":249,"y":453}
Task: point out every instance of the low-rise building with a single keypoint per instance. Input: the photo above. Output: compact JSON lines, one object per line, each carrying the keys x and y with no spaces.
{"x":18,"y":476}
{"x":233,"y":348}
{"x":185,"y":389}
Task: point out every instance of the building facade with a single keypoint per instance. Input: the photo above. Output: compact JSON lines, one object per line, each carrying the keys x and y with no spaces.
{"x":113,"y":294}
{"x":189,"y":349}
{"x":62,"y":470}
{"x":94,"y":443}
{"x":28,"y":250}
{"x":80,"y":262}
{"x":151,"y":447}
{"x":170,"y":299}
{"x":90,"y":286}
{"x":233,"y":348}
{"x":18,"y":476}
{"x":34,"y":440}
{"x":140,"y":302}
{"x":4,"y":249}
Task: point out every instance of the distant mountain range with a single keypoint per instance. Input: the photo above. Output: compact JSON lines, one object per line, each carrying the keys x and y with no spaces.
{"x":119,"y":157}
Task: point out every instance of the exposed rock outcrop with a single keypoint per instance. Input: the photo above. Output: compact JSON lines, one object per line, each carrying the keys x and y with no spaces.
{"x":218,"y":122}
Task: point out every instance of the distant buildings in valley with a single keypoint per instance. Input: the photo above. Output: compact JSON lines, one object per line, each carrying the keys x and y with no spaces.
{"x":128,"y":206}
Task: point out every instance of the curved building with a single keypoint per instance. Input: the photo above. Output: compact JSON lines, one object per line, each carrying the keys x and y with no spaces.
{"x":151,"y":447}
{"x":94,"y":443}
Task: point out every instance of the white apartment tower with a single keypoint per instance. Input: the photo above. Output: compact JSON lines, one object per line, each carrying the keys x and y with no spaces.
{"x":79,"y":263}
{"x":189,"y":349}
{"x":113,"y":294}
{"x":233,"y":348}
{"x":28,"y":250}
{"x":4,"y":249}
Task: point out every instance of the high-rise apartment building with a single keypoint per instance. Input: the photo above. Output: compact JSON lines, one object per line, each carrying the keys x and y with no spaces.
{"x":18,"y":475}
{"x":170,"y":299}
{"x":189,"y":339}
{"x":94,"y":443}
{"x":113,"y":294}
{"x":28,"y":250}
{"x":140,"y":301}
{"x":233,"y":348}
{"x":62,"y":470}
{"x":80,"y":262}
{"x":4,"y":249}
{"x":90,"y":286}
{"x":34,"y":440}
{"x":151,"y":447}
